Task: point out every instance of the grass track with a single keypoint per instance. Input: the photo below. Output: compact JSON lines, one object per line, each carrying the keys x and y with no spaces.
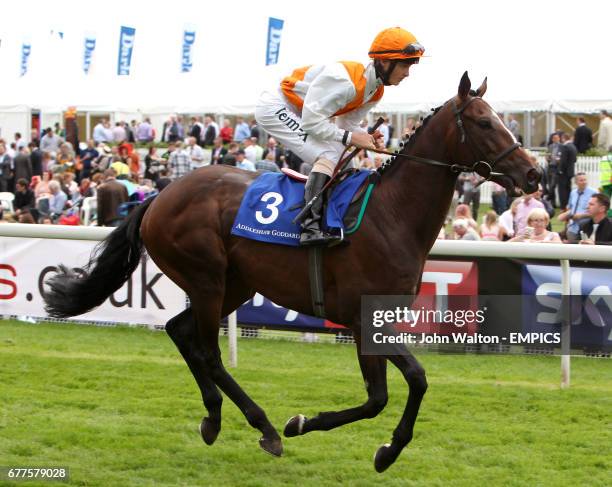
{"x":119,"y":407}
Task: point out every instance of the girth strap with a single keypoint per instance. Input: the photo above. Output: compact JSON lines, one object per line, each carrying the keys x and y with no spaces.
{"x":315,"y":274}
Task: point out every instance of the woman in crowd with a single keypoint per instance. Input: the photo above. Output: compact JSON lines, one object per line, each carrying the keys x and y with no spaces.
{"x":506,"y":221}
{"x":490,"y":229}
{"x":41,"y":190}
{"x":535,"y":231}
{"x":153,"y":164}
{"x":86,"y":190}
{"x":463,"y":212}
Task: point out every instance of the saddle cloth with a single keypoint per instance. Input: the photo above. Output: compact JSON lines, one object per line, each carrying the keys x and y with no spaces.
{"x":273,"y":200}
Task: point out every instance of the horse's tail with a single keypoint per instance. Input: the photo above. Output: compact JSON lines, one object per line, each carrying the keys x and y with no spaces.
{"x":110,"y":265}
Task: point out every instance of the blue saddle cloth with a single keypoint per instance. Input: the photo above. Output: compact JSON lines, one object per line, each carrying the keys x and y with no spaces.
{"x":273,"y":200}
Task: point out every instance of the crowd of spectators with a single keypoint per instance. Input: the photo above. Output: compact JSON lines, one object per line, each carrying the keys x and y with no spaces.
{"x":50,"y":178}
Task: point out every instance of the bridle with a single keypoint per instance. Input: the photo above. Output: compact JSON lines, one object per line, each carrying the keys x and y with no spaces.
{"x":483,"y":168}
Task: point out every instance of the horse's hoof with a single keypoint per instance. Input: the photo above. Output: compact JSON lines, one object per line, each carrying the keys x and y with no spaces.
{"x":384,"y":458}
{"x":209,"y":431}
{"x":272,"y":446}
{"x":294,"y":426}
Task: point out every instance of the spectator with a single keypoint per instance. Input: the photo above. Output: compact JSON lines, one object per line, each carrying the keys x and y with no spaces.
{"x":99,"y":132}
{"x":58,"y":200}
{"x":242,"y":131}
{"x":463,"y":212}
{"x":50,"y":141}
{"x":24,"y":197}
{"x":195,"y":130}
{"x":576,"y":212}
{"x":6,"y":170}
{"x":490,"y":230}
{"x":163,"y":179}
{"x":567,"y":163}
{"x":384,"y":130}
{"x":514,"y":127}
{"x":499,"y":198}
{"x":86,"y":190}
{"x":108,"y":131}
{"x":242,"y":162}
{"x":119,"y":133}
{"x":65,"y":160}
{"x":598,"y":229}
{"x":583,"y":136}
{"x":506,"y":221}
{"x":41,"y":190}
{"x":218,"y":151}
{"x":471,"y":192}
{"x":523,"y":209}
{"x":605,"y":131}
{"x":130,"y":130}
{"x":26,"y":217}
{"x":535,"y":230}
{"x":196,"y":153}
{"x":35,"y":159}
{"x":552,"y":175}
{"x":88,"y":156}
{"x":267,"y":165}
{"x":211,"y":131}
{"x":179,"y":162}
{"x":255,"y":134}
{"x":144,"y":132}
{"x":22,"y":165}
{"x":19,"y":142}
{"x":153,"y":164}
{"x":277,"y":154}
{"x":227,"y":132}
{"x":463,"y":230}
{"x":111,"y":194}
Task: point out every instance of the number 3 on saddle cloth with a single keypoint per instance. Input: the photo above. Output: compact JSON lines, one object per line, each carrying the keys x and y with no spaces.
{"x":273,"y":200}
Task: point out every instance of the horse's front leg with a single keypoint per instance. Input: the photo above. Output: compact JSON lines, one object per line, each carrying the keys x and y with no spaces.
{"x":374,"y":371}
{"x":402,"y":435}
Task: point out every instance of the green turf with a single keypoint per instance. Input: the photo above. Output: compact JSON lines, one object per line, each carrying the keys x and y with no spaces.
{"x":119,"y":407}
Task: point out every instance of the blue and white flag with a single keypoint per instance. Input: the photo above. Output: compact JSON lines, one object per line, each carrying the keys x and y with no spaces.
{"x":275,"y":29}
{"x":126,"y":45}
{"x":88,"y":49}
{"x":26,"y":50}
{"x":189,"y":36}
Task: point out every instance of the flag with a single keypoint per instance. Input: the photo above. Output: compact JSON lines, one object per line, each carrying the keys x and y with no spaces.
{"x":275,"y":29}
{"x":126,"y":45}
{"x":26,"y":50}
{"x":188,"y":41}
{"x":88,"y":49}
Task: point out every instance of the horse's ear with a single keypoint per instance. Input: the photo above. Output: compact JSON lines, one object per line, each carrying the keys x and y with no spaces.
{"x":464,"y":86}
{"x":483,"y":88}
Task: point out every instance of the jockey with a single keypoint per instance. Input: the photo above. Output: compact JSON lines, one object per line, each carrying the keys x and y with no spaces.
{"x":300,"y":113}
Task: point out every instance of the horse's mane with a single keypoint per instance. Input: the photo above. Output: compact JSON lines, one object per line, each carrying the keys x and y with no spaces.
{"x":409,"y":143}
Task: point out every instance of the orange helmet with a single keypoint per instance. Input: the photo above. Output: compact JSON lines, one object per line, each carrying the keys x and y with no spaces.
{"x":396,"y":43}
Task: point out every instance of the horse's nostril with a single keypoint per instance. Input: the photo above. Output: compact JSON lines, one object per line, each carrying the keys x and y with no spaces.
{"x":534,"y":176}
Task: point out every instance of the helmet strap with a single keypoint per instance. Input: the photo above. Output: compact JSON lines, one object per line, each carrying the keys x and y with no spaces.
{"x":382,"y":73}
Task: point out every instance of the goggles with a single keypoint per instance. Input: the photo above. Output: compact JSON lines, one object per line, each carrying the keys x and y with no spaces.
{"x":411,"y":50}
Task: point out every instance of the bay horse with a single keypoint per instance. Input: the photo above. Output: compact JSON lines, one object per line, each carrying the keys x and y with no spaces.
{"x":186,"y":231}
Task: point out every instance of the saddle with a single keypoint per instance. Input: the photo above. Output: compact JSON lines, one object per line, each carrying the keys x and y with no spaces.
{"x":354,"y":214}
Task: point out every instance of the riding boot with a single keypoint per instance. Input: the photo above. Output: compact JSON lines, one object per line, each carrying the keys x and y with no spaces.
{"x":312,"y":234}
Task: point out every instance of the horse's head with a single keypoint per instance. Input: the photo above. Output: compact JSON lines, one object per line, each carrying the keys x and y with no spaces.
{"x":487,"y":145}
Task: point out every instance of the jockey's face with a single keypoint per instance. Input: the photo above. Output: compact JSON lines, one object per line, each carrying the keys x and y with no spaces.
{"x":400,"y":71}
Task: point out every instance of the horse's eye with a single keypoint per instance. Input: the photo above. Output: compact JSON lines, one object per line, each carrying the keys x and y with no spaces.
{"x":485,"y":123}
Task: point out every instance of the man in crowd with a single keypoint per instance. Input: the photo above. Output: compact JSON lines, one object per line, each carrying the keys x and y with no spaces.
{"x":576,"y":211}
{"x":211,"y":131}
{"x":267,"y":165}
{"x":24,"y":198}
{"x":195,"y":130}
{"x":242,"y":130}
{"x":35,"y":159}
{"x":22,"y":166}
{"x":111,"y":194}
{"x":218,"y":152}
{"x":179,"y":162}
{"x":242,"y":162}
{"x":99,"y":132}
{"x":598,"y":229}
{"x":50,"y":141}
{"x":196,"y":154}
{"x":252,"y":151}
{"x":605,"y":131}
{"x":119,"y":133}
{"x":514,"y":127}
{"x":88,"y":156}
{"x":553,"y":157}
{"x":567,"y":162}
{"x":583,"y":136}
{"x":463,"y":231}
{"x":277,"y":153}
{"x":6,"y":170}
{"x":144,"y":131}
{"x":58,"y":199}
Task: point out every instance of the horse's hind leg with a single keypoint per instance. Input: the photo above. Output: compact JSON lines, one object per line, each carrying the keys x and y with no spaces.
{"x":183,"y":332}
{"x":402,"y":435}
{"x":208,"y":313}
{"x":374,"y":371}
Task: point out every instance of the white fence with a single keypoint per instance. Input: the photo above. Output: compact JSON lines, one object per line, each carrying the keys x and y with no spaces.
{"x":560,"y":252}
